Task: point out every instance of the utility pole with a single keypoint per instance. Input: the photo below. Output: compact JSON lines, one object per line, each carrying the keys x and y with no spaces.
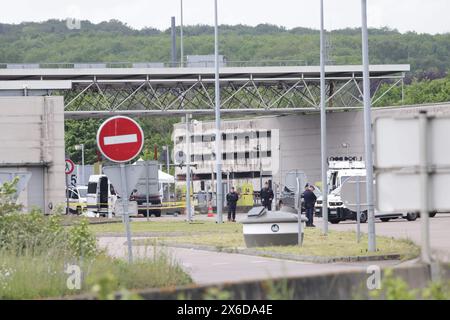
{"x":323,"y":125}
{"x":368,"y":128}
{"x":188,"y":169}
{"x":217,"y":113}
{"x":81,"y":147}
{"x":181,"y":35}
{"x":173,"y":37}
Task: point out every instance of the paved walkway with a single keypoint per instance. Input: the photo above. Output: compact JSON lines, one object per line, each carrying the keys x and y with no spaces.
{"x":401,"y":228}
{"x":397,"y":228}
{"x":207,"y":267}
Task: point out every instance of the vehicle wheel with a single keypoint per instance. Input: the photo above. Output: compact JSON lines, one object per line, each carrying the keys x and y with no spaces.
{"x":335,"y":221}
{"x":432,"y":214}
{"x":385,"y":219}
{"x":79,"y":211}
{"x":363,"y":217}
{"x":411,"y":216}
{"x":158,"y":213}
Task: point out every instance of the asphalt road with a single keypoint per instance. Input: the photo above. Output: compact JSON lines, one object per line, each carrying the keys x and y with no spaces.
{"x":207,"y":267}
{"x":211,"y":267}
{"x":401,"y":228}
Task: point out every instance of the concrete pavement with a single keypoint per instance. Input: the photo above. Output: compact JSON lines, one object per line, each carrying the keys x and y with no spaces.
{"x":216,"y":267}
{"x":397,"y":228}
{"x":207,"y":267}
{"x":401,"y":228}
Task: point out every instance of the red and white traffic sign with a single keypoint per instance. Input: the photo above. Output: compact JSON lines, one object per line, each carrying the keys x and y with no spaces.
{"x":120,"y":139}
{"x":70,"y":166}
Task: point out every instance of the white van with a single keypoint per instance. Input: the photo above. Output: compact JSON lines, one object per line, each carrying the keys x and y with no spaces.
{"x":77,"y":199}
{"x":101,"y":196}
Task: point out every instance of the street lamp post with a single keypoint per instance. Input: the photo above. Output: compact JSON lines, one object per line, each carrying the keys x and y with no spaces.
{"x":217,"y":114}
{"x":188,"y":169}
{"x":323,"y":125}
{"x":181,"y":35}
{"x":368,"y":129}
{"x":81,"y":147}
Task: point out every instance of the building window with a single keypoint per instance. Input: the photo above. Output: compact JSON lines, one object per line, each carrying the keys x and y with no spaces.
{"x":247,"y":155}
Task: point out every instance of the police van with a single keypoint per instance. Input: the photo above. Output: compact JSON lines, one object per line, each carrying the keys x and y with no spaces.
{"x":101,"y":196}
{"x":340,"y":171}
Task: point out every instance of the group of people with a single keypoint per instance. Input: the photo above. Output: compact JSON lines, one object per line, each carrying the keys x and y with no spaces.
{"x":309,"y":200}
{"x":233,"y":197}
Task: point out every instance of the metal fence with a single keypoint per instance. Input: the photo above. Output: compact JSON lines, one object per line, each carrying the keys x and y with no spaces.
{"x":110,"y":65}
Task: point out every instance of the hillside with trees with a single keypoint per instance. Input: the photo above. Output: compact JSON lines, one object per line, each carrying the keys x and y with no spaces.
{"x":114,"y":41}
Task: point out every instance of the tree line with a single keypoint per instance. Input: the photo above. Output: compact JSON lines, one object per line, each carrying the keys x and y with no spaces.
{"x":114,"y":41}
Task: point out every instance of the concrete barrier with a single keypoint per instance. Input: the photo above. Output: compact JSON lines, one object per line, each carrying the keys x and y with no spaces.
{"x":335,"y":286}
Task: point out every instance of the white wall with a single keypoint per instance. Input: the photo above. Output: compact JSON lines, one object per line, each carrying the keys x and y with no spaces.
{"x":32,"y":139}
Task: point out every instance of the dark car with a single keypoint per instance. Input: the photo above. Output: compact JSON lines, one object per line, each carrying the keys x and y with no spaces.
{"x":154,"y":206}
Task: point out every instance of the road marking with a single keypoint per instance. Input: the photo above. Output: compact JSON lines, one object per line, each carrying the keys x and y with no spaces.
{"x":258,"y":261}
{"x":220,"y":263}
{"x":125,"y":138}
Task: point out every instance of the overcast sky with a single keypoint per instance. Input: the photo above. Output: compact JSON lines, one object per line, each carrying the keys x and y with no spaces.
{"x":430,"y":16}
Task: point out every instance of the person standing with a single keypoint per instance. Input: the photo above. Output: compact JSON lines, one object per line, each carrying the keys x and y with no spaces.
{"x":309,"y":199}
{"x":232,"y":199}
{"x":266,"y":196}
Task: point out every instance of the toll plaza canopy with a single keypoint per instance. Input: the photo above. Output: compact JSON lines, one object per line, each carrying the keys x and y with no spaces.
{"x":96,"y":90}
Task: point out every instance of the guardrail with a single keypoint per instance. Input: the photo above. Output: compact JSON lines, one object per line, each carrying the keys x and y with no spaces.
{"x":110,"y":65}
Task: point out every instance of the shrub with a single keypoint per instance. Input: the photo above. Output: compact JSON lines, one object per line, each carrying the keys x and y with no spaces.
{"x":8,"y":197}
{"x":82,"y":241}
{"x":34,"y":234}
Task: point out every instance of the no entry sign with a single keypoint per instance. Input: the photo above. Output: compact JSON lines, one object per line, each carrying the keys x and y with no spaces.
{"x":120,"y":139}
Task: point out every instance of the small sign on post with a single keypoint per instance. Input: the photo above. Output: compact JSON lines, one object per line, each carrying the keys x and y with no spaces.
{"x":69,"y":167}
{"x":355,"y":199}
{"x":120,"y":139}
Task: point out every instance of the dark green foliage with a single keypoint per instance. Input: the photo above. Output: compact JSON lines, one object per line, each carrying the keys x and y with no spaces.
{"x":52,"y":41}
{"x":7,"y":197}
{"x":114,"y":41}
{"x":418,"y":92}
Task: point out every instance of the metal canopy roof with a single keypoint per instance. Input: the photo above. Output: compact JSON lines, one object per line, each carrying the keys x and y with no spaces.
{"x":180,"y":74}
{"x":93,"y":91}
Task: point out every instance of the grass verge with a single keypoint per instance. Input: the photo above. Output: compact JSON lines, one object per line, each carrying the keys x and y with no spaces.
{"x":37,"y":277}
{"x":335,"y":244}
{"x":163,"y":227}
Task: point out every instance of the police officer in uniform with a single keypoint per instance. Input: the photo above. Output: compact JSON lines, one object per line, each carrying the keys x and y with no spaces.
{"x":267,"y":196}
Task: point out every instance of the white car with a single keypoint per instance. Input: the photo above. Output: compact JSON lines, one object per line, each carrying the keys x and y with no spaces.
{"x":77,"y":199}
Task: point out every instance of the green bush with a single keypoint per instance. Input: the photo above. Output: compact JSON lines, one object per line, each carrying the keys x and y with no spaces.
{"x":35,"y":234}
{"x":395,"y":288}
{"x":8,"y":197}
{"x":82,"y":241}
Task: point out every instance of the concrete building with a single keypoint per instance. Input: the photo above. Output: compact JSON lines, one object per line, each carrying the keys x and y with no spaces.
{"x":289,"y":142}
{"x":32,"y":140}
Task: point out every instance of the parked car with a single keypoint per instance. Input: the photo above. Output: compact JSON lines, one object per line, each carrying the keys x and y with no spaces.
{"x":77,"y":199}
